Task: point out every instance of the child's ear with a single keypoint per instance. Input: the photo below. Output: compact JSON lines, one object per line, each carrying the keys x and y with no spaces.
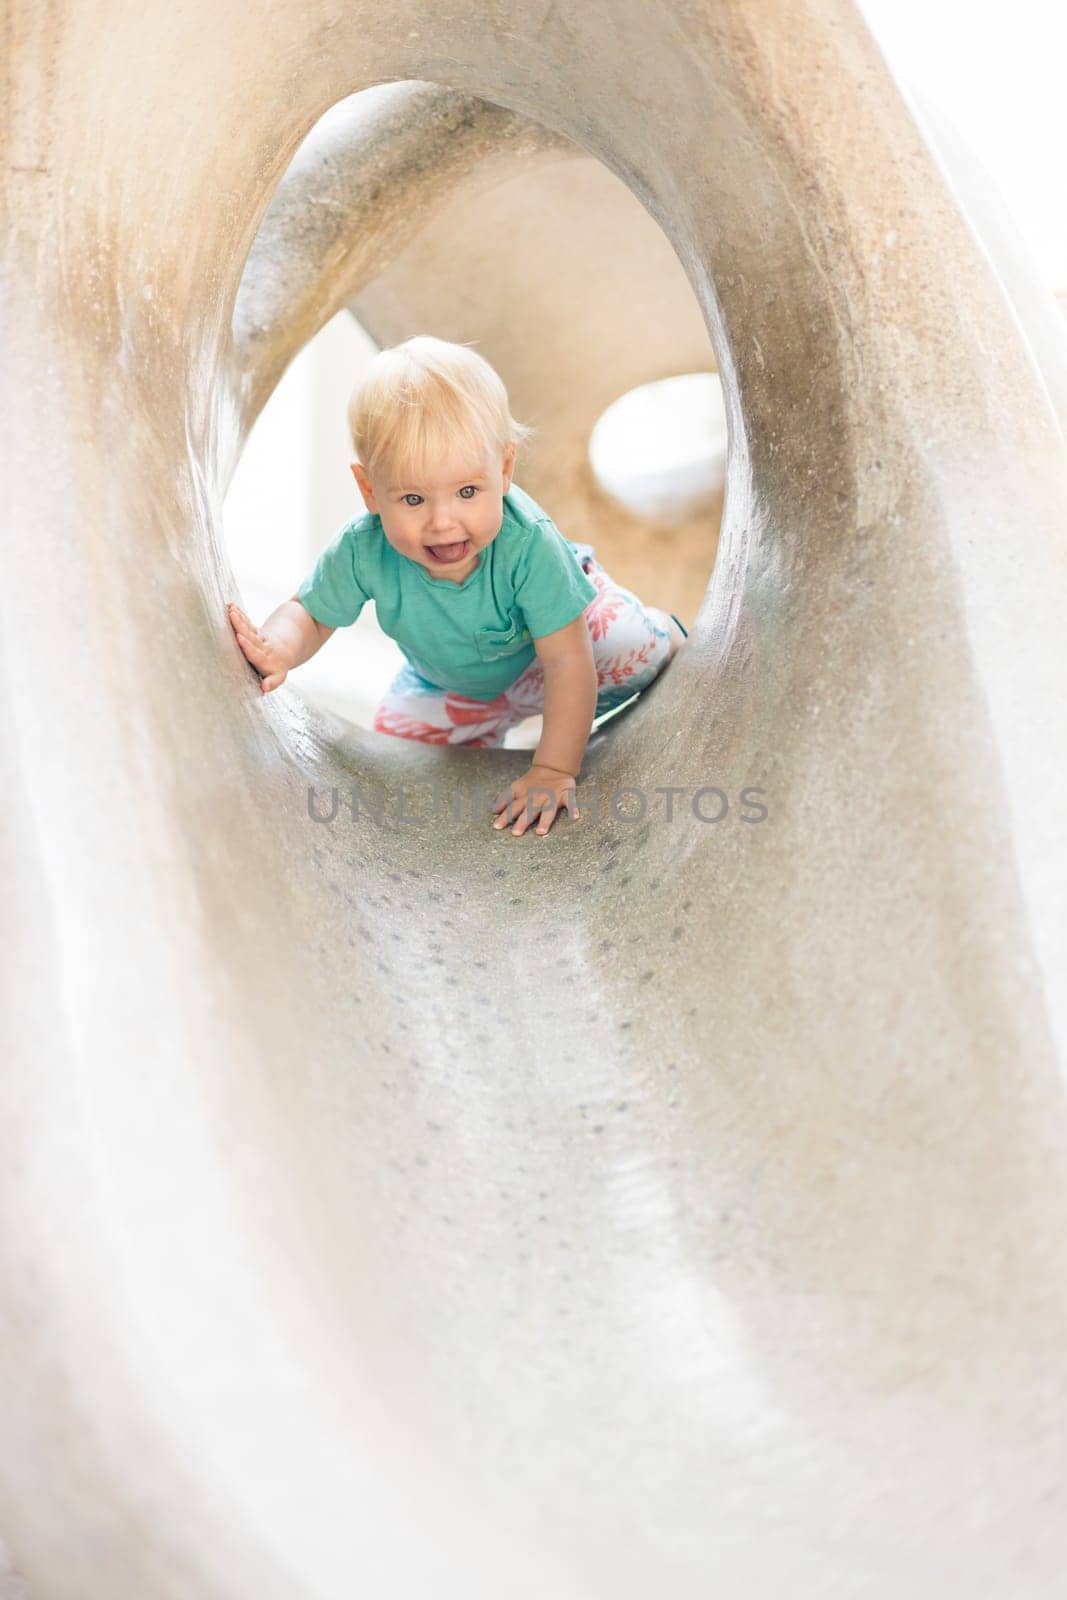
{"x":509,"y":464}
{"x":363,"y":484}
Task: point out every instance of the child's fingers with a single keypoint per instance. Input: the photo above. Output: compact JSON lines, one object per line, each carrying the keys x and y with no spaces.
{"x":238,"y":620}
{"x":254,"y":650}
{"x":529,"y":817}
{"x":258,"y":651}
{"x":539,"y":802}
{"x":515,"y":804}
{"x":567,"y":803}
{"x":548,"y":817}
{"x":246,"y":631}
{"x":536,"y":803}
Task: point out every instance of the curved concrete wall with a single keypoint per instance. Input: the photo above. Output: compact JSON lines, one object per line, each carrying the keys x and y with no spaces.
{"x":393,"y":1205}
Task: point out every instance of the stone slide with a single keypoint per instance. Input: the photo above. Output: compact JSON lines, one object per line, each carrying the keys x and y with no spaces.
{"x":671,"y":1205}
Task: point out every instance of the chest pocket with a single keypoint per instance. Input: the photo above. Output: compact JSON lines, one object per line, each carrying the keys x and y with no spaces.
{"x":494,"y":643}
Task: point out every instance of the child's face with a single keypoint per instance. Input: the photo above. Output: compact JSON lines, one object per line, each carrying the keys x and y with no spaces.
{"x":446,"y":519}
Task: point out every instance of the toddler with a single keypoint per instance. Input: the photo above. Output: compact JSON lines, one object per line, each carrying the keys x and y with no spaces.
{"x":498,"y":615}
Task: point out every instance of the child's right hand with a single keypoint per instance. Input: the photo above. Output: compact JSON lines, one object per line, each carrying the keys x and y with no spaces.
{"x":269,"y":660}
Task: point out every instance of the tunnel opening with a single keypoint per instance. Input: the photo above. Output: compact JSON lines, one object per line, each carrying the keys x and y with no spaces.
{"x":567,"y":286}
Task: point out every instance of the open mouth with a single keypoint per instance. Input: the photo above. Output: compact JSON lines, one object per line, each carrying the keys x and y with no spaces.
{"x":446,"y":553}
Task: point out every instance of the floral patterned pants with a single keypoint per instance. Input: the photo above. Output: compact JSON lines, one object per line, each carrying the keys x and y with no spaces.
{"x":631,"y":647}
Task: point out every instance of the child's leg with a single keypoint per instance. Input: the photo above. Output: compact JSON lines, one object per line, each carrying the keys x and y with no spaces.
{"x":413,"y":708}
{"x":632,"y":642}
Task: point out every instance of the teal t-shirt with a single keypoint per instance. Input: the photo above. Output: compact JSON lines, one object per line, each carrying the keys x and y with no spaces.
{"x":476,"y":636}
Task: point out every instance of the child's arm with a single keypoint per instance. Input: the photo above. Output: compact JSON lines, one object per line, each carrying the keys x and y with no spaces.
{"x":570,"y":705}
{"x":570,"y":697}
{"x":289,"y":637}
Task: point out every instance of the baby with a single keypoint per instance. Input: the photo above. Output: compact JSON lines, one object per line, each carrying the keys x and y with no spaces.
{"x":498,"y":615}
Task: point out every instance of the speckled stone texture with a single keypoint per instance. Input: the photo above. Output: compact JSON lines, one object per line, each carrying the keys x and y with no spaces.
{"x":393,"y":1207}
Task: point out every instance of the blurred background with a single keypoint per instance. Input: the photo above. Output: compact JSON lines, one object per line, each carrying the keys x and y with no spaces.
{"x":658,"y":452}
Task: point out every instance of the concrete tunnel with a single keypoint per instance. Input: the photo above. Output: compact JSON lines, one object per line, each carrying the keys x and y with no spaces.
{"x":393,"y":1207}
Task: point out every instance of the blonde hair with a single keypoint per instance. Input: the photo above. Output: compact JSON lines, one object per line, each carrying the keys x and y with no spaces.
{"x":422,"y":399}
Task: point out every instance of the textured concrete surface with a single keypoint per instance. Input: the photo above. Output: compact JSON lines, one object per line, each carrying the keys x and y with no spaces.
{"x":392,"y":1206}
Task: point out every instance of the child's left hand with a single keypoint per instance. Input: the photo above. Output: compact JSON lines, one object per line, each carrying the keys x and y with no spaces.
{"x":539,"y":792}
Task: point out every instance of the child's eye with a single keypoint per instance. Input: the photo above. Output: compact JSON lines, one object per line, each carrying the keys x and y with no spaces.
{"x":468,"y":492}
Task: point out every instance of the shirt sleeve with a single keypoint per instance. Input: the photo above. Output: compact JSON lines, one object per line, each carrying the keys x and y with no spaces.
{"x":333,"y":594}
{"x":550,"y":587}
